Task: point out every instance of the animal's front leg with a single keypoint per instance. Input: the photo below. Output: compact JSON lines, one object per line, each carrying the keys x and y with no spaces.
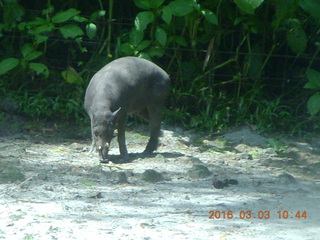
{"x":122,"y":121}
{"x":93,"y":144}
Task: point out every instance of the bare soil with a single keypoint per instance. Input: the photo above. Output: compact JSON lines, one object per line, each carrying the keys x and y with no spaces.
{"x":51,"y":188}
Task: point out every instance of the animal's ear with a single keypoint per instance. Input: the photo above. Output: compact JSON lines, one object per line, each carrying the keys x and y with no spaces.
{"x":116,"y":113}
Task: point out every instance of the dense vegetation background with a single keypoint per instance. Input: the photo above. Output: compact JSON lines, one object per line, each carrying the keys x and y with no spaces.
{"x":231,"y":61}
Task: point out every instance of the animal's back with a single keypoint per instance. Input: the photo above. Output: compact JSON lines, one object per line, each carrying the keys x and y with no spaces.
{"x":130,"y":83}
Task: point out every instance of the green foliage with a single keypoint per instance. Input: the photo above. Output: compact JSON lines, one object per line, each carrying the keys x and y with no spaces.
{"x":72,"y":76}
{"x":25,"y":68}
{"x":248,"y":6}
{"x":296,"y":37}
{"x":180,"y":8}
{"x":277,"y":146}
{"x":313,"y":103}
{"x":29,"y":54}
{"x":142,"y":20}
{"x":231,"y":62}
{"x":91,"y":30}
{"x":8,"y":64}
{"x":148,"y":4}
{"x":12,"y":12}
{"x":157,"y":21}
{"x":311,"y":7}
{"x":64,"y":16}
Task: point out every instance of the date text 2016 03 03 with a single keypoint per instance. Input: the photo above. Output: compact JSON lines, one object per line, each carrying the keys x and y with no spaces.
{"x":258,"y":215}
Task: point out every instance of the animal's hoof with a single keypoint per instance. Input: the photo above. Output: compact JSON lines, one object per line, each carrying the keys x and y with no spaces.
{"x":147,"y":152}
{"x":104,"y":160}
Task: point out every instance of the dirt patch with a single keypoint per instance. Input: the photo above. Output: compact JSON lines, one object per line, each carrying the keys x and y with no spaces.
{"x":51,"y":188}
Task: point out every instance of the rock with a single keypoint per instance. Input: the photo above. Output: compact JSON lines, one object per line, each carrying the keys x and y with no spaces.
{"x":219,"y":184}
{"x":233,"y":182}
{"x":151,"y":175}
{"x":160,"y":157}
{"x":246,"y":135}
{"x":246,"y":156}
{"x":199,"y":171}
{"x":286,"y":179}
{"x":96,"y":195}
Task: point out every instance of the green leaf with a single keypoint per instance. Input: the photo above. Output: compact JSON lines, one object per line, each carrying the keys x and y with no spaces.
{"x":72,"y":76}
{"x":148,"y":4}
{"x":143,"y":19}
{"x":33,"y":55}
{"x":166,"y":14}
{"x":38,"y":21}
{"x":71,"y":31}
{"x":40,"y":39}
{"x":310,"y":85}
{"x":143,"y":45}
{"x":97,"y":14}
{"x":26,"y":49}
{"x":64,"y":16}
{"x":12,"y":12}
{"x":237,"y":21}
{"x":45,"y":28}
{"x":8,"y":64}
{"x":313,"y":104}
{"x":91,"y":30}
{"x":313,"y":77}
{"x":86,"y":183}
{"x":180,"y":8}
{"x":161,"y":36}
{"x":311,"y":6}
{"x":136,"y":36}
{"x":210,"y":16}
{"x":29,"y":53}
{"x":39,"y":68}
{"x":156,"y":52}
{"x":248,"y":6}
{"x":283,"y":10}
{"x":79,"y":19}
{"x":127,"y":49}
{"x":145,"y":56}
{"x":180,"y":40}
{"x":296,"y":36}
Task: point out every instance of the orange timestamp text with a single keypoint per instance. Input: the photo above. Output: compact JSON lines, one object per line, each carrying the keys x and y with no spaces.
{"x":257,"y":215}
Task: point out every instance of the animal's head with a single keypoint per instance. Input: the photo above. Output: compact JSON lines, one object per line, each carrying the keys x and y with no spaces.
{"x":103,"y":132}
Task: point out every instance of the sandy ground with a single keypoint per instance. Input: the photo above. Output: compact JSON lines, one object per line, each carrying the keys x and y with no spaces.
{"x":51,"y":188}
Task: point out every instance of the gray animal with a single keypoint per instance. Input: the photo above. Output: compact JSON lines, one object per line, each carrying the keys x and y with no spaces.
{"x":126,"y":85}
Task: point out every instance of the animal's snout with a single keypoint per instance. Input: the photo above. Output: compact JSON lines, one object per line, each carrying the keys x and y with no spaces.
{"x":103,"y":151}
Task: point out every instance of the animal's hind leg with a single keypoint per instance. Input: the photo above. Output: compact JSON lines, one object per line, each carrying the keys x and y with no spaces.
{"x":155,"y":119}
